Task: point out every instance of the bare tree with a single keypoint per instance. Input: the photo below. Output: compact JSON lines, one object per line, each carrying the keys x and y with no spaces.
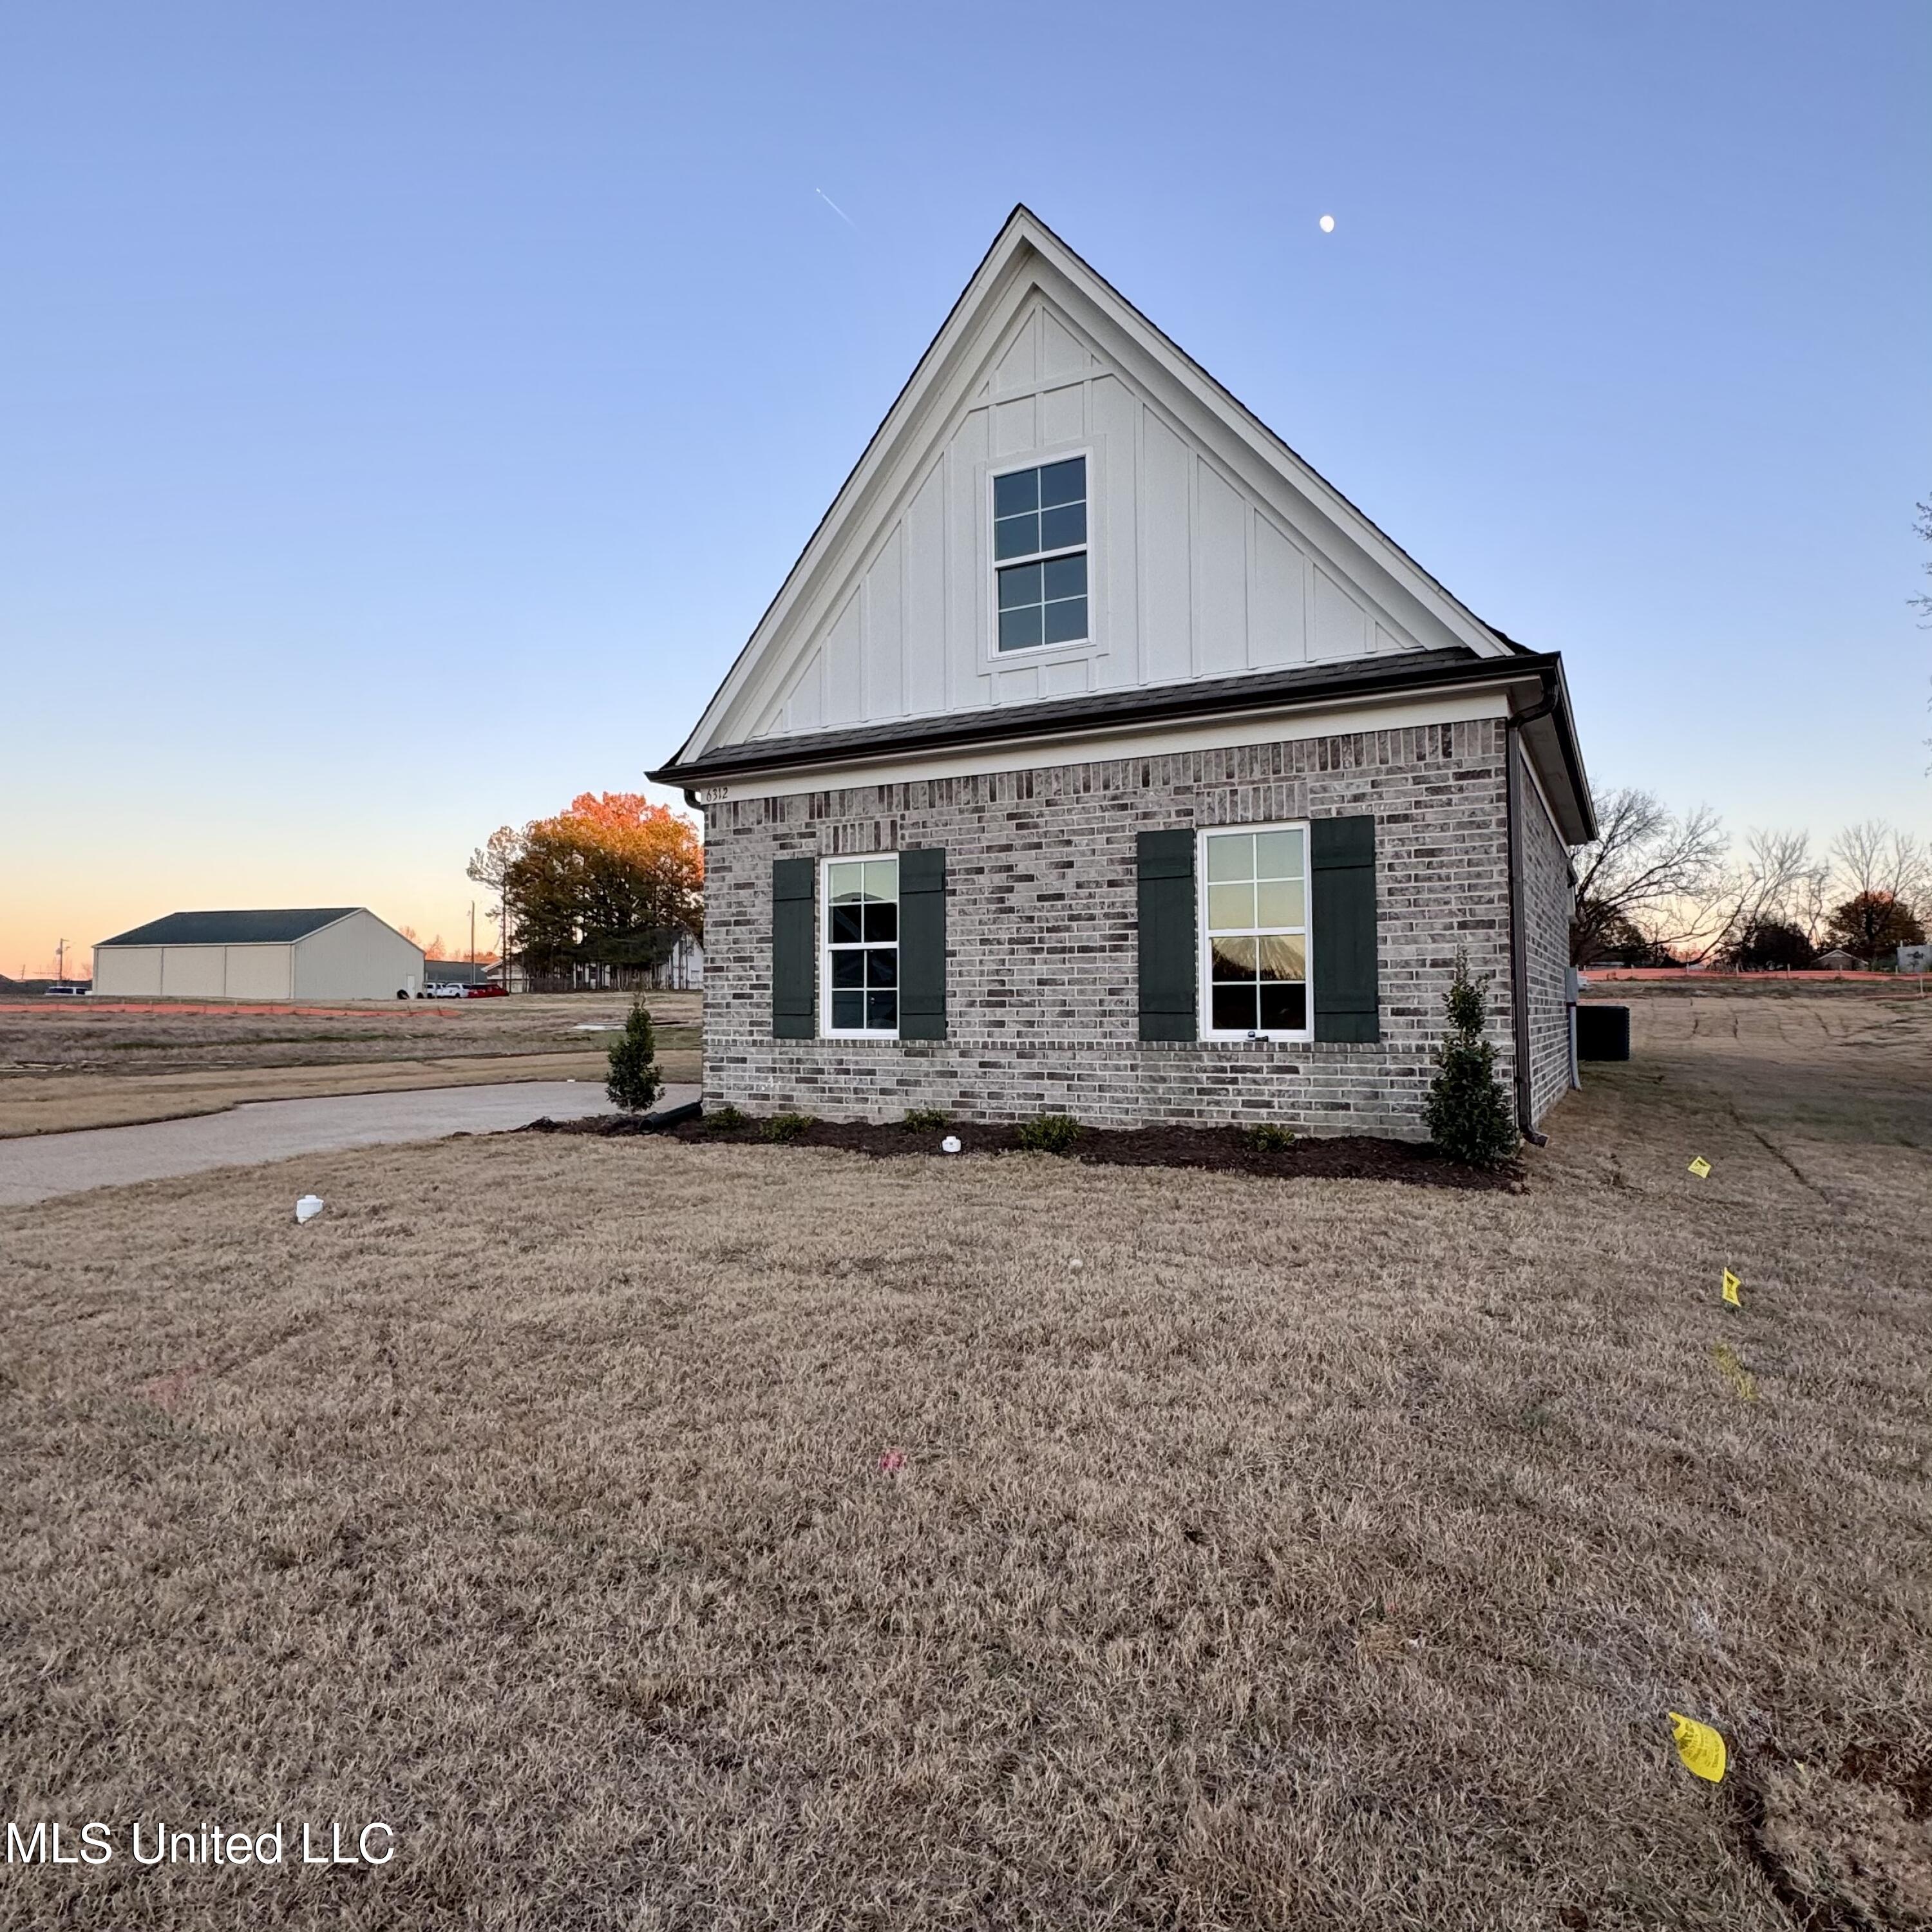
{"x":1923,"y":605}
{"x":1873,"y":857}
{"x":1774,"y":879}
{"x":1648,"y":873}
{"x":490,"y":865}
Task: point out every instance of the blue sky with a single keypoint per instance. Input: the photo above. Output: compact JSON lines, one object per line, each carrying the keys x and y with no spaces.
{"x":407,"y":410}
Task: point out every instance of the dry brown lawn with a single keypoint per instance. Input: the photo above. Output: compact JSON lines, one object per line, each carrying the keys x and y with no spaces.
{"x":64,"y":1065}
{"x":1322,"y":1554}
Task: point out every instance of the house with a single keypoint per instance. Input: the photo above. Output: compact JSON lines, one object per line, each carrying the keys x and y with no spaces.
{"x":326,"y":953}
{"x":1838,"y":960}
{"x":1097,"y":755}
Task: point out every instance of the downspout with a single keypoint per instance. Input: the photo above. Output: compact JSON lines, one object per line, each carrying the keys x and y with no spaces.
{"x":1519,"y":946}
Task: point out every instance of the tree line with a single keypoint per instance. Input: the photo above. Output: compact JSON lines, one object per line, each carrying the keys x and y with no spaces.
{"x":611,"y":883}
{"x":1662,"y":888}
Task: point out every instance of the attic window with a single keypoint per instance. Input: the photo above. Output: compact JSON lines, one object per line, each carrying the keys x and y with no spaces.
{"x":1040,"y":554}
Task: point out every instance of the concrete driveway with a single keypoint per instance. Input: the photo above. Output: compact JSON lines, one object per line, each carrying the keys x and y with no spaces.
{"x":265,"y":1130}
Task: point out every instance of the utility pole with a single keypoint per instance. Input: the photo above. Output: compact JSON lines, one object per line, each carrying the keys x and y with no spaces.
{"x":472,"y":941}
{"x":60,"y":962}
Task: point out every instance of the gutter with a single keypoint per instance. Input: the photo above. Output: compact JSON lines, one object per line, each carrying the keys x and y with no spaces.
{"x":1518,"y":946}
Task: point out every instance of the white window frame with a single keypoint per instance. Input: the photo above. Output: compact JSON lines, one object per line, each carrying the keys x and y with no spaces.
{"x":1070,"y":646}
{"x":826,"y":1030}
{"x":1204,"y":952}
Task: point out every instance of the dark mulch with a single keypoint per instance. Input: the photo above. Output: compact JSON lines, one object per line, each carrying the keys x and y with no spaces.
{"x":1225,"y":1149}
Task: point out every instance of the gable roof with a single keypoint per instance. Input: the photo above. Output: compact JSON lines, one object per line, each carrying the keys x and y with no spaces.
{"x":1027,"y":255}
{"x":261,"y":928}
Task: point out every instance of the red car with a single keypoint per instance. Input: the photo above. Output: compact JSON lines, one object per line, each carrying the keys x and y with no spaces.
{"x":487,"y":989}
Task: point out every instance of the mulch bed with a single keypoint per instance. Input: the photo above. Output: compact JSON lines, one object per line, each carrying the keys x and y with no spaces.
{"x":1223,"y":1149}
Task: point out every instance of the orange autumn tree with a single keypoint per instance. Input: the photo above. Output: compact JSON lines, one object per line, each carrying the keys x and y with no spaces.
{"x":613,"y":881}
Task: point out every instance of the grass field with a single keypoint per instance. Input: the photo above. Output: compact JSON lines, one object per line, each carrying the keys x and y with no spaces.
{"x":65,"y":1064}
{"x":660,"y":1536}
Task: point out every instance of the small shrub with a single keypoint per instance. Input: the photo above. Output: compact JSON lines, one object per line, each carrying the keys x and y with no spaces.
{"x":1267,"y":1138}
{"x":785,"y":1126}
{"x":634,"y":1081}
{"x":1469,"y":1113}
{"x":926,"y":1120}
{"x":728,"y":1119}
{"x":1050,"y":1133}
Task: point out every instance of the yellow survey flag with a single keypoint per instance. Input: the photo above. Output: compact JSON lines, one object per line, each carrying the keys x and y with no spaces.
{"x":1731,"y":1285}
{"x":1701,"y":1168}
{"x":1701,"y":1748}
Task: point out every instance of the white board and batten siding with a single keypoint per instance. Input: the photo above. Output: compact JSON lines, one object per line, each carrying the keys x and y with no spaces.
{"x":1191,"y":575}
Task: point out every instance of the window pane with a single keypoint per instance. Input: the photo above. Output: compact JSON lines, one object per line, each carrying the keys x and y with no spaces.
{"x":1231,"y":855}
{"x":882,"y":1011}
{"x":1277,"y":855}
{"x":1016,"y":536}
{"x":882,"y":879}
{"x":848,"y":1010}
{"x":1064,"y":577}
{"x":1063,"y":482}
{"x":846,"y":928}
{"x":1284,"y":1008}
{"x":1234,"y":959}
{"x":882,"y":965}
{"x":1019,"y":628}
{"x":1281,"y":959}
{"x":1021,"y":491}
{"x":1235,"y":1009}
{"x":1060,"y":528}
{"x":848,"y":969}
{"x":1278,"y":902}
{"x":1067,"y":622}
{"x":845,"y":881}
{"x":1019,"y":586}
{"x":882,"y":922}
{"x":1230,"y":907}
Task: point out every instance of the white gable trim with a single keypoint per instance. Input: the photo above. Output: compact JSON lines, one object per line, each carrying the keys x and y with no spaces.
{"x":1026,"y":257}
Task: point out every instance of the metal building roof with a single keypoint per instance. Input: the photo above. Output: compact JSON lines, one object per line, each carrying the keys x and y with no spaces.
{"x":262,"y":927}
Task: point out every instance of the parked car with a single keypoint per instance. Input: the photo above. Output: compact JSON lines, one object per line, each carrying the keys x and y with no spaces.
{"x":444,"y":992}
{"x":487,"y":989}
{"x":60,"y":990}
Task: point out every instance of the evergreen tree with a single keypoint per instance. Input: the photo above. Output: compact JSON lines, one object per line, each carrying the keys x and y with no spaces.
{"x":634,"y":1081}
{"x":1469,"y":1113}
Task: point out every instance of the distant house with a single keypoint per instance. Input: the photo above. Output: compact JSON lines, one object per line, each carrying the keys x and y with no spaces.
{"x":1099,"y":755}
{"x":1839,"y":961}
{"x":323,"y":952}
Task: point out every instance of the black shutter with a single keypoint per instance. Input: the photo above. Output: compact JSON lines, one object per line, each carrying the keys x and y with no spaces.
{"x":1169,"y":946}
{"x":1342,"y":934}
{"x":922,"y":944}
{"x":794,"y":883}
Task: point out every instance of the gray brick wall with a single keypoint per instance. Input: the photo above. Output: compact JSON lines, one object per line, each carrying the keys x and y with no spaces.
{"x":1042,"y":1009}
{"x":1546,"y":907}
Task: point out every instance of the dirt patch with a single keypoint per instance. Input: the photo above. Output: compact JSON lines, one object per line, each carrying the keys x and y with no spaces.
{"x":1219,"y":1150}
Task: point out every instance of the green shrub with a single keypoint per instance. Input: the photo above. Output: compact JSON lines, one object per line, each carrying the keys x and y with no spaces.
{"x":926,"y":1120}
{"x":1050,"y":1133}
{"x":727,"y":1119}
{"x":1469,"y":1113}
{"x":785,"y":1126}
{"x":635,"y":1082}
{"x":1267,"y":1138}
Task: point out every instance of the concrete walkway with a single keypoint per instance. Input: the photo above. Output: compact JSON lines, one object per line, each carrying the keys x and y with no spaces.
{"x":264,"y":1130}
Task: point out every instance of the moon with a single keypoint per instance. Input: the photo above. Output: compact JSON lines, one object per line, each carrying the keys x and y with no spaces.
{"x":1327,"y":224}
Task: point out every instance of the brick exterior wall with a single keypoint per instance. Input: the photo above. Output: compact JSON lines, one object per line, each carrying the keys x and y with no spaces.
{"x":1546,"y":903}
{"x":1042,"y":941}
